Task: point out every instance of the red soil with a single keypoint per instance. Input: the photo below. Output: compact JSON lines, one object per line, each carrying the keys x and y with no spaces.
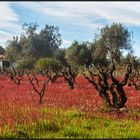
{"x":59,"y":95}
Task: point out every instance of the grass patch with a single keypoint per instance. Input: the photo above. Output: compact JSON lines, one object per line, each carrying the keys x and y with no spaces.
{"x":7,"y":132}
{"x":59,"y":123}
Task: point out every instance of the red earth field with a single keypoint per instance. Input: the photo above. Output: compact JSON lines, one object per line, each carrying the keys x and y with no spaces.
{"x":58,"y":95}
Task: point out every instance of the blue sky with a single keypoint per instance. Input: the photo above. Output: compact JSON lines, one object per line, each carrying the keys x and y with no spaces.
{"x":76,"y":20}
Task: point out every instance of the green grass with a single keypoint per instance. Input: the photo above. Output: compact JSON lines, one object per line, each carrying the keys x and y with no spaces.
{"x":58,"y":123}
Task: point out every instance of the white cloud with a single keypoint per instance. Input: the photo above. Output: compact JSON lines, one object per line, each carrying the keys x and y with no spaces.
{"x":4,"y":35}
{"x":8,"y":23}
{"x":9,"y":26}
{"x":6,"y":13}
{"x":89,"y":14}
{"x":63,"y":12}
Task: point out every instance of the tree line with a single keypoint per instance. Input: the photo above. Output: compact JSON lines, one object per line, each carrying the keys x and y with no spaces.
{"x":98,"y":61}
{"x":32,"y":45}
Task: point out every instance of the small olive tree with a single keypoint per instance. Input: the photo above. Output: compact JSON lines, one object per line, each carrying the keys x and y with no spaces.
{"x":35,"y":84}
{"x":69,"y":75}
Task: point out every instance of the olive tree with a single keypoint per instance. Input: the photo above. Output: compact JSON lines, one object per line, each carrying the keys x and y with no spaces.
{"x":115,"y":38}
